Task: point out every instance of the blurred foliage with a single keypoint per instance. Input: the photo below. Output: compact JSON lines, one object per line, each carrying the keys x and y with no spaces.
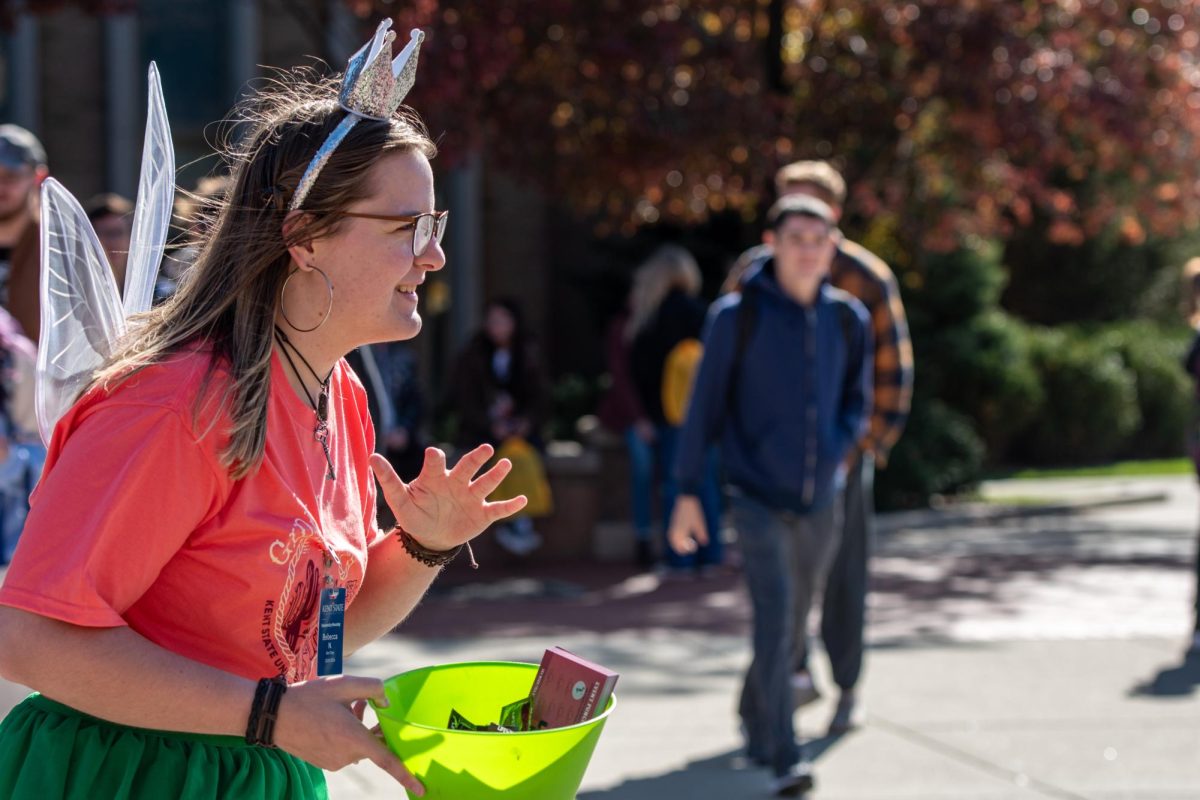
{"x":1102,"y":279}
{"x":940,"y":453}
{"x":1164,"y":392}
{"x":987,"y":373}
{"x":1110,"y":391}
{"x":1091,"y":401}
{"x":975,"y":384}
{"x":961,"y":117}
{"x":992,"y":390}
{"x":970,"y":354}
{"x":572,"y":396}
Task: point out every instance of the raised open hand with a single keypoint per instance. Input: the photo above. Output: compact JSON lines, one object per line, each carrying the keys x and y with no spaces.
{"x":443,"y":508}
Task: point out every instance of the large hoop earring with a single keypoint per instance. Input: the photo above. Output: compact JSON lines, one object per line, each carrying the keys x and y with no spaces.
{"x":283,"y":290}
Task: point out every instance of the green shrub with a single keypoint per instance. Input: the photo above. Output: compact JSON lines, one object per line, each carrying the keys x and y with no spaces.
{"x":982,"y":368}
{"x":1091,"y":401}
{"x":938,"y":454}
{"x":1154,"y":355}
{"x":959,"y":285}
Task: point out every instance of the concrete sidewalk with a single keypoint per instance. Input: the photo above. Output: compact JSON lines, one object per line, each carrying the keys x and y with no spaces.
{"x":1038,"y":657}
{"x":1060,"y":719}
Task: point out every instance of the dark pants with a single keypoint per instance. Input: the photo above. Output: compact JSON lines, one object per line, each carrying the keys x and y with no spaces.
{"x":712,"y":553}
{"x":785,"y":557}
{"x":844,"y":608}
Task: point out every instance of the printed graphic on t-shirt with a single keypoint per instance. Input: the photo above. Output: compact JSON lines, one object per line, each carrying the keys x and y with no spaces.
{"x":290,"y":622}
{"x":298,"y":613}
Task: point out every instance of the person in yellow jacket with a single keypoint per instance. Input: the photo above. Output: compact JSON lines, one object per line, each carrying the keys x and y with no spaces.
{"x":664,"y":328}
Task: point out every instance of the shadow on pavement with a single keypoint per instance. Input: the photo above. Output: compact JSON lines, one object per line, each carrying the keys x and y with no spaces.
{"x":1177,"y":681}
{"x":713,"y":777}
{"x":720,"y":776}
{"x":543,"y":599}
{"x":939,"y":577}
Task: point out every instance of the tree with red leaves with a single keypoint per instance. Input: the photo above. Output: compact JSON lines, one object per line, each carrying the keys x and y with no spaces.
{"x":950,"y":118}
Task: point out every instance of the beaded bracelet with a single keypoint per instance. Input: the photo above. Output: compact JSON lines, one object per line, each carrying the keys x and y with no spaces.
{"x":432,"y":558}
{"x":260,"y":729}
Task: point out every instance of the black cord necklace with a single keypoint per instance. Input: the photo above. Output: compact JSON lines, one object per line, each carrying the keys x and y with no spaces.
{"x":320,"y":403}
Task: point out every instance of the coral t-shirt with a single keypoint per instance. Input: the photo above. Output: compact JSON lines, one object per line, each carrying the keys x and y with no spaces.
{"x":137,"y":523}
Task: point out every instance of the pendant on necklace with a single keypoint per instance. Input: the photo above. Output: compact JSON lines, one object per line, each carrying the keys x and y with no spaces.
{"x":321,"y":434}
{"x":323,"y":406}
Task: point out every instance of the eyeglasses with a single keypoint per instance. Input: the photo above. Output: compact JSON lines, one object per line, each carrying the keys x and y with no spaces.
{"x":426,"y":227}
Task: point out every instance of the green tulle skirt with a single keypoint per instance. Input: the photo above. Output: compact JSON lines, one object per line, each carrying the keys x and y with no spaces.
{"x":50,"y":751}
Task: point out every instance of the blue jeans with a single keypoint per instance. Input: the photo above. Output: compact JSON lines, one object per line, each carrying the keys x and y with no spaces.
{"x":786,"y":556}
{"x":641,"y":482}
{"x":713,"y":553}
{"x":18,"y":475}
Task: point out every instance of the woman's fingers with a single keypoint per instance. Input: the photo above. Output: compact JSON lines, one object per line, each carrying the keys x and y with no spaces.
{"x":387,"y":761}
{"x":682,"y":539}
{"x":389,"y":481}
{"x":359,"y":707}
{"x":435,"y":463}
{"x":472,"y":462}
{"x":348,"y":688}
{"x":504,"y":508}
{"x":486,"y":483}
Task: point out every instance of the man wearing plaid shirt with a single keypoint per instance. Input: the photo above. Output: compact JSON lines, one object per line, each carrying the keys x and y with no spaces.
{"x":863,"y":274}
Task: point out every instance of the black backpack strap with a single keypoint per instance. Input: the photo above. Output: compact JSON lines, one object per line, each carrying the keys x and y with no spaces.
{"x":849,"y":321}
{"x":747,"y":320}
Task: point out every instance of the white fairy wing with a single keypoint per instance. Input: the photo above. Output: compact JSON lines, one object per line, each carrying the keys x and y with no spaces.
{"x":156,"y":196}
{"x":81,"y":311}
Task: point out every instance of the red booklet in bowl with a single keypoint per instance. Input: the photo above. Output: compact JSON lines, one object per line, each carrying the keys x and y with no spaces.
{"x":568,"y":690}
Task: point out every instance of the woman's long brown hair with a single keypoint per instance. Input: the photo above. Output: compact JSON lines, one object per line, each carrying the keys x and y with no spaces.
{"x":227,"y":300}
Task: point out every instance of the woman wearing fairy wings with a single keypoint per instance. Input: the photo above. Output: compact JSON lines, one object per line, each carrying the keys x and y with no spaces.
{"x":206,"y":514}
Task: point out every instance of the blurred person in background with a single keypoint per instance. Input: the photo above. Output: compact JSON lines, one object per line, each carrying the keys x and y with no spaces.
{"x":194,"y":212}
{"x":388,"y":372}
{"x":784,"y":387}
{"x":22,"y":169}
{"x":666,"y":311}
{"x":861,"y":273}
{"x":621,"y":412}
{"x":498,"y":392}
{"x":112,"y":217}
{"x":22,"y":453}
{"x":401,"y":437}
{"x":1191,"y":277}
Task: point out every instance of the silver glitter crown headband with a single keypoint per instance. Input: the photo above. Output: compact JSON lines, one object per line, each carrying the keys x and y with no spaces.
{"x":372,"y":88}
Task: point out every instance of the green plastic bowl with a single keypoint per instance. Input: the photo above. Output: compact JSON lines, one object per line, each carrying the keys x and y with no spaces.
{"x":469,"y":765}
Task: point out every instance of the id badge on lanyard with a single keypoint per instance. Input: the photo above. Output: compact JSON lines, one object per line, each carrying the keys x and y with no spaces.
{"x":331,"y":625}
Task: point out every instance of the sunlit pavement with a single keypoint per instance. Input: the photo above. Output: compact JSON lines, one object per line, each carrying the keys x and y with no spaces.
{"x":1035,"y":657}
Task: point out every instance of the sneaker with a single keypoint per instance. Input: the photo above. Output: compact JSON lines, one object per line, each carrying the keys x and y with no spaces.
{"x":518,"y":541}
{"x":793,"y":783}
{"x":804,"y":691}
{"x":848,"y":716}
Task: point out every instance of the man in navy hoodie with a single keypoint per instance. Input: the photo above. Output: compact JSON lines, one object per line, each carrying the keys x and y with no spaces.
{"x":784,"y":388}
